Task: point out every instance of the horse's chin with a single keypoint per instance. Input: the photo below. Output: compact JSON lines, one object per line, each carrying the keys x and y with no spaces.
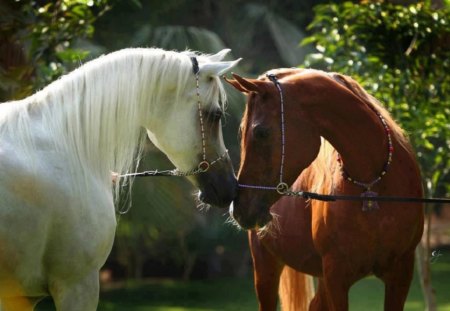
{"x":217,"y":190}
{"x":263,"y":220}
{"x":250,"y":223}
{"x":209,"y":200}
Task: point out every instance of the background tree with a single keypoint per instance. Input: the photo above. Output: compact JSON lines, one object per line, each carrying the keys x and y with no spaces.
{"x":37,"y":41}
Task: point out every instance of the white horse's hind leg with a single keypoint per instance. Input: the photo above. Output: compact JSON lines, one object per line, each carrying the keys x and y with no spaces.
{"x":78,"y":296}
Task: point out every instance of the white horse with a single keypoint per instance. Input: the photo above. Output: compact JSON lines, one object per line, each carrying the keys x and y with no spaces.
{"x":59,"y":146}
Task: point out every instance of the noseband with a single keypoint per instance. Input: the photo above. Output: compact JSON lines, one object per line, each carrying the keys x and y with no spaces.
{"x":282,"y":187}
{"x":204,"y":165}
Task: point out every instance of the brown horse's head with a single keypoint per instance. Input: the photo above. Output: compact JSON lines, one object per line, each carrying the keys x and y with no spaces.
{"x":261,"y":143}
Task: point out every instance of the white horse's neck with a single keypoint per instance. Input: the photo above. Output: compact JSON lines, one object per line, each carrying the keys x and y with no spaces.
{"x":96,"y":113}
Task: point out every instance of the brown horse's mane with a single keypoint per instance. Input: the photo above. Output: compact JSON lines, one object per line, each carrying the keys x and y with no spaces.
{"x":321,"y":170}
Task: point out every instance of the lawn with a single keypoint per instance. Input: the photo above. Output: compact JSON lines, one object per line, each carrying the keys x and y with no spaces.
{"x":236,"y":294}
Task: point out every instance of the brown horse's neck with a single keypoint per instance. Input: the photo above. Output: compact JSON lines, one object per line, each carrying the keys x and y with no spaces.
{"x":354,"y":129}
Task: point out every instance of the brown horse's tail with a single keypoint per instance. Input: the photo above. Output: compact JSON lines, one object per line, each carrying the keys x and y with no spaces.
{"x":296,"y":290}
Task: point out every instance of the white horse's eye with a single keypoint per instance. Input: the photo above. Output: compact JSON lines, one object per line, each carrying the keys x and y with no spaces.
{"x":213,"y":115}
{"x":217,"y":115}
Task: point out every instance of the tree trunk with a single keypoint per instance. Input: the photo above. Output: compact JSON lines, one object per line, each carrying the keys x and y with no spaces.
{"x":189,"y":264}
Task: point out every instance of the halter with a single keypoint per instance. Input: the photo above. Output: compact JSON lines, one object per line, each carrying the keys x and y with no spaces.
{"x":369,"y":198}
{"x":282,"y":187}
{"x":204,"y":165}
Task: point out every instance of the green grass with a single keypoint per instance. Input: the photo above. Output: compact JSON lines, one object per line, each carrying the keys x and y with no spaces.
{"x":368,"y":294}
{"x":224,"y":294}
{"x":169,"y":295}
{"x":237,"y":294}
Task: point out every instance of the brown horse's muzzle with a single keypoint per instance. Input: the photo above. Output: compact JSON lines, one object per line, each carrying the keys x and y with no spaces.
{"x":250,"y":214}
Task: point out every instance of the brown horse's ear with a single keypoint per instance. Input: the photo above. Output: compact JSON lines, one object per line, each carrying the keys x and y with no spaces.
{"x":245,"y":85}
{"x":236,"y":85}
{"x":252,"y":85}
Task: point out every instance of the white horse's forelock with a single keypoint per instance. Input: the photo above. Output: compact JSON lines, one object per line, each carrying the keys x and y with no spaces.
{"x":93,"y":114}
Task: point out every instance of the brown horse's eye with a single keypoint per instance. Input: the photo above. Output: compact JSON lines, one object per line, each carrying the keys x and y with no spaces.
{"x":261,"y":132}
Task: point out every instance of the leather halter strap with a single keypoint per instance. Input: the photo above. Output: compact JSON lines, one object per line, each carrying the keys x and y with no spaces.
{"x":281,"y":187}
{"x":204,"y":165}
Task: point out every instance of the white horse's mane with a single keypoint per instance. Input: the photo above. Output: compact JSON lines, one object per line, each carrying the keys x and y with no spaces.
{"x":93,"y":114}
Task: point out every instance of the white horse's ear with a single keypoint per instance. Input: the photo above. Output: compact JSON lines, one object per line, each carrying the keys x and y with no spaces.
{"x":218,"y":68}
{"x":219,"y":55}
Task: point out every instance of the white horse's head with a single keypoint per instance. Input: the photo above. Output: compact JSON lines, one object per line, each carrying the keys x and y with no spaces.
{"x":185,"y":124}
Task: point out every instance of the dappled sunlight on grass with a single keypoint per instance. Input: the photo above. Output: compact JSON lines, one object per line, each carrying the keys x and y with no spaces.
{"x":414,"y":305}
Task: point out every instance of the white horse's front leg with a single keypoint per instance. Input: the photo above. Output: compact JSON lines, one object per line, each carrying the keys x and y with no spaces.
{"x":76,"y":296}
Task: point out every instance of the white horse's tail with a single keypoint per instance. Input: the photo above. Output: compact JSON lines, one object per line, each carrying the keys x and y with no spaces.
{"x":296,"y":290}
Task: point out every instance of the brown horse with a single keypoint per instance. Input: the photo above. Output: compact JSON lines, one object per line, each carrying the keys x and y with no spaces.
{"x":363,"y":152}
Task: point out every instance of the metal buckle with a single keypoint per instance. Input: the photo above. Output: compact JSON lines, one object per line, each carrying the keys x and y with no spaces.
{"x":282,"y":188}
{"x":203,"y":166}
{"x":272,"y":77}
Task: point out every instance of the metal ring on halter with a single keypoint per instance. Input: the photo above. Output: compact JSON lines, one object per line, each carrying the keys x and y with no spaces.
{"x":203,"y":166}
{"x":282,"y":188}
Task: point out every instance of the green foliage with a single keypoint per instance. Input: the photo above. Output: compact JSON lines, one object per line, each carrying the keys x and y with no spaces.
{"x":401,"y":55}
{"x":178,"y":38}
{"x":43,"y":33}
{"x":265,"y":33}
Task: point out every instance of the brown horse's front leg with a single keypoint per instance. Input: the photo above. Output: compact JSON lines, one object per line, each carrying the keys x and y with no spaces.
{"x":397,"y":280}
{"x":338,"y":277}
{"x":319,"y":302}
{"x":267,"y":270}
